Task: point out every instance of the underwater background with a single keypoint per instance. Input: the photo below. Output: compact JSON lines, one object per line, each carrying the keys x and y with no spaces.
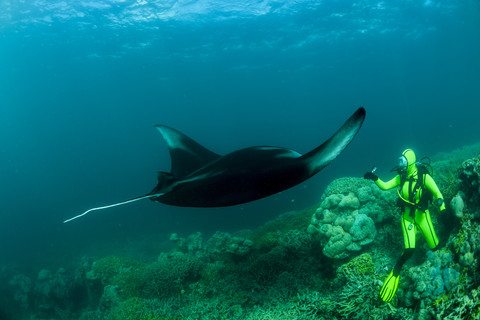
{"x":83,"y":83}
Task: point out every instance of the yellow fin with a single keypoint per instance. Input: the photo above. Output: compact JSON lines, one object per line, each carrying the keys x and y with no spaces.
{"x":390,"y":287}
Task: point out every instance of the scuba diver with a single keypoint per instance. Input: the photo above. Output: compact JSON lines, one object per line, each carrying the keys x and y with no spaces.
{"x":415,"y":190}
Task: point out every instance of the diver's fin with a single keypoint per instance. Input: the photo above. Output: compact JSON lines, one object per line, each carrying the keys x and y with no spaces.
{"x":114,"y":205}
{"x":186,"y":154}
{"x":390,"y":287}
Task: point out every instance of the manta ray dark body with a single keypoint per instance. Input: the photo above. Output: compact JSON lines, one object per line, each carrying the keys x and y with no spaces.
{"x":202,"y":178}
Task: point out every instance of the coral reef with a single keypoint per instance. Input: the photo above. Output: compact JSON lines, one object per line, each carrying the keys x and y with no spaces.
{"x":21,"y":287}
{"x":107,"y":269}
{"x":434,"y":278}
{"x":457,"y":205}
{"x":469,"y":188}
{"x":221,"y":244}
{"x":137,"y":309}
{"x":53,"y":290}
{"x":359,"y":266}
{"x":346,"y":217}
{"x":469,"y":179}
{"x":466,"y":242}
{"x":324,"y":262}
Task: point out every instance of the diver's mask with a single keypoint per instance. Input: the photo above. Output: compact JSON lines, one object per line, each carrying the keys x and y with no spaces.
{"x":401,"y":166}
{"x":402,"y":163}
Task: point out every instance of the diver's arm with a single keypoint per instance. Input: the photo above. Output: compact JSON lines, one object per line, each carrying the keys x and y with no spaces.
{"x":389,"y":184}
{"x":432,"y":186}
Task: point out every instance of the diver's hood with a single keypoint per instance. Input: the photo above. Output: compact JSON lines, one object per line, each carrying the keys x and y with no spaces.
{"x":406,"y":162}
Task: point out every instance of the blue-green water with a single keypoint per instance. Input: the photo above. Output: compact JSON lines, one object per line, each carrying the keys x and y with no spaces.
{"x":83,"y":83}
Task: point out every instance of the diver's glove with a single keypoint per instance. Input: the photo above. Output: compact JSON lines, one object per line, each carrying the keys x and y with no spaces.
{"x":439,"y":202}
{"x":390,"y":287}
{"x":370,"y":176}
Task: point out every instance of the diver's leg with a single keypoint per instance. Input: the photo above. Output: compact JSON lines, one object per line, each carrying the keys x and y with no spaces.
{"x":407,"y":254}
{"x":424,"y":222}
{"x":409,"y":230}
{"x":390,"y":284}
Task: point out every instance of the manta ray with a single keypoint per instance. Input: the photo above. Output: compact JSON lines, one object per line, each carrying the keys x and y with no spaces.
{"x":202,"y":178}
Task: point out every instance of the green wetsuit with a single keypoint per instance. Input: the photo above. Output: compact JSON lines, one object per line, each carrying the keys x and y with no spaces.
{"x":412,"y":194}
{"x":421,"y":217}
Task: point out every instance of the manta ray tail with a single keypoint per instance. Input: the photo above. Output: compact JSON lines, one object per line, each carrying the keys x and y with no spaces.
{"x":113,"y":205}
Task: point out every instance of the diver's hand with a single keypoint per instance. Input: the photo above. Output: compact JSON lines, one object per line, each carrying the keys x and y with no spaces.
{"x":370,"y":176}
